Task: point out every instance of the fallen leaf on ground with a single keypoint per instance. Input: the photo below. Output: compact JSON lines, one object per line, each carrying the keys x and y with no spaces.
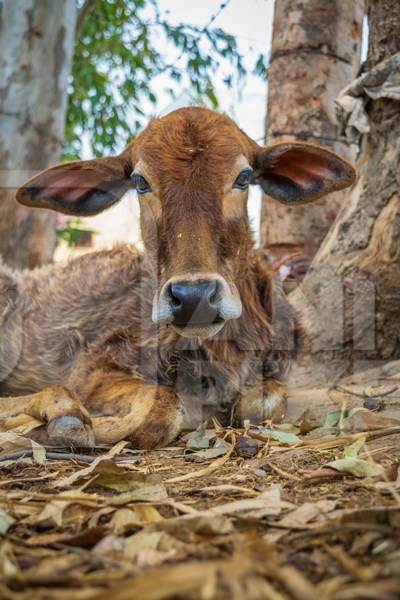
{"x":11,"y":442}
{"x":219,"y":449}
{"x":154,"y":540}
{"x":139,"y":515}
{"x":361,"y":419}
{"x":6,"y":521}
{"x":286,"y":437}
{"x":354,"y":448}
{"x":198,"y":439}
{"x":188,"y":527}
{"x":134,"y":486}
{"x":216,"y":464}
{"x":357,"y":467}
{"x":67,"y":481}
{"x":332,"y":418}
{"x":306,"y":513}
{"x":266,"y":504}
{"x":52,"y":513}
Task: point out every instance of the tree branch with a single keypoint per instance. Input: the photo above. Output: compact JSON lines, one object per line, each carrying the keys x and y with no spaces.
{"x":84,"y":12}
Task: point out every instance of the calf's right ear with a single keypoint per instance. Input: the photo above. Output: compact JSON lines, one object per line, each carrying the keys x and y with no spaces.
{"x":80,"y":188}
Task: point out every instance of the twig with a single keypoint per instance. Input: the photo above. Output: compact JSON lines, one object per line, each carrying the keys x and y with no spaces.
{"x":324,"y":473}
{"x":343,"y":440}
{"x":282,"y":472}
{"x":28,"y":453}
{"x":364,"y":396}
{"x":216,"y":15}
{"x":201,"y":32}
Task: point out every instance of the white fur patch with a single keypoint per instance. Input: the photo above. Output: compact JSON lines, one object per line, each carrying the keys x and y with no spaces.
{"x":273,"y":402}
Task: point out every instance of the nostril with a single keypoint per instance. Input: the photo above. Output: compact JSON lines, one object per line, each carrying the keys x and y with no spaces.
{"x":213,"y":294}
{"x":175,"y":293}
{"x":176,"y":301}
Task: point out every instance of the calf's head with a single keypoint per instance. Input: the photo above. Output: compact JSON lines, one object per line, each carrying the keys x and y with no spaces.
{"x":192,"y":170}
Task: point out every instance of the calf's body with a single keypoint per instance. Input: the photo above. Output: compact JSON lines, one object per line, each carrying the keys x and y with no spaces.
{"x":86,"y":329}
{"x":117,"y":344}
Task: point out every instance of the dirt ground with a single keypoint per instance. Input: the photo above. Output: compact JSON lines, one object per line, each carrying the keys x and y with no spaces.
{"x":306,"y":510}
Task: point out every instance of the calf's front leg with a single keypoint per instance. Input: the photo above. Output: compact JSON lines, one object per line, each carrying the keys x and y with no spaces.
{"x":123,"y":408}
{"x":114,"y":407}
{"x":68,"y":422}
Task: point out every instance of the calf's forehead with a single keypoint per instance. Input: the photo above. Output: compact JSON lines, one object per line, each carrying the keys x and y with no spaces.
{"x":190,"y":143}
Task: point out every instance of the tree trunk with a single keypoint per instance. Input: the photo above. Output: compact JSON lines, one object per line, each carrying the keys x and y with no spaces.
{"x":351,"y":293}
{"x":315,"y":53}
{"x":36,"y":48}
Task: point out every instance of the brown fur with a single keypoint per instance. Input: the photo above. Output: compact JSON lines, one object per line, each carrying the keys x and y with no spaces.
{"x":87,"y":325}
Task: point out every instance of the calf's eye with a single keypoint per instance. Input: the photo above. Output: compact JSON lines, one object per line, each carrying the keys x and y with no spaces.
{"x":243,"y":180}
{"x":140,"y":184}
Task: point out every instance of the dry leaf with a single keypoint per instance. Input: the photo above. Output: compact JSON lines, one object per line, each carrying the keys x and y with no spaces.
{"x":154,"y":540}
{"x":126,"y":518}
{"x":6,"y":521}
{"x":188,"y":527}
{"x":266,"y":504}
{"x":209,"y":454}
{"x":67,"y":481}
{"x":52,"y":513}
{"x":11,"y":442}
{"x":361,"y":419}
{"x":357,"y":467}
{"x":216,"y":464}
{"x":138,"y":487}
{"x":307,"y":512}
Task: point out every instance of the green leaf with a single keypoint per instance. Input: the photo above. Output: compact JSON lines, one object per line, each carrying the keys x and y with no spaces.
{"x":357,"y":467}
{"x":284,"y":436}
{"x":353,"y":450}
{"x":198,"y":439}
{"x":332,"y":418}
{"x":116,"y":58}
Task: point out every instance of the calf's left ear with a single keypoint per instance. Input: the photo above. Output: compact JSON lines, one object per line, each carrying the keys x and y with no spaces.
{"x":298,"y":173}
{"x":81,"y":188}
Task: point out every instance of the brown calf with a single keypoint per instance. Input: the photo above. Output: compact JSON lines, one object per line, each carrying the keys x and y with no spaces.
{"x":118,"y":344}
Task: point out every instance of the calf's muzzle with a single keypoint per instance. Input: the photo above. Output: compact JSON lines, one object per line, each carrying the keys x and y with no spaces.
{"x":196,"y":305}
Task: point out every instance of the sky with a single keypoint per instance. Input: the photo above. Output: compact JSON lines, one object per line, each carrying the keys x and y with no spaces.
{"x":250,"y":21}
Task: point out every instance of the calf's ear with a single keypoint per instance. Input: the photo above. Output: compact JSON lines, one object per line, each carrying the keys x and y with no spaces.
{"x":80,"y":188}
{"x":298,"y":173}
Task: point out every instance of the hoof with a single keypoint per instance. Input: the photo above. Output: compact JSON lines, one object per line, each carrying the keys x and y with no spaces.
{"x":70,"y":431}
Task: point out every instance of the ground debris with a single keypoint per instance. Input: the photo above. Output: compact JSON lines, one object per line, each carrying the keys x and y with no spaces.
{"x":295,"y":512}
